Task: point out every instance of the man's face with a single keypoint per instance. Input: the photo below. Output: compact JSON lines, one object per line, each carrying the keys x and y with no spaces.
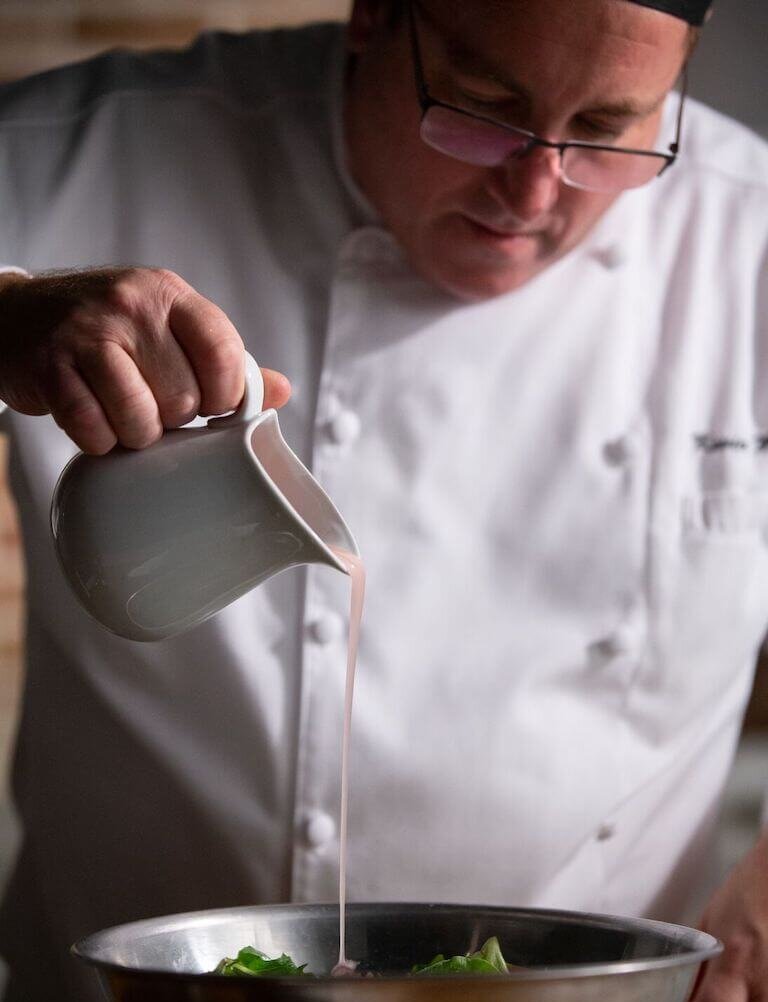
{"x":594,"y":70}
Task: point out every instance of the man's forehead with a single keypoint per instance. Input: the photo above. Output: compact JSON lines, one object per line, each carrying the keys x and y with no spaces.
{"x":596,"y":13}
{"x":582,"y":26}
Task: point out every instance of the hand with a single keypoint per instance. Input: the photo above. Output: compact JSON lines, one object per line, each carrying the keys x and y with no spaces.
{"x":117,"y":355}
{"x":738,"y":915}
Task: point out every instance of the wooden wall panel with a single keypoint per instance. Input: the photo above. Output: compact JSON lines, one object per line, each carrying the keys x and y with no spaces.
{"x":11,"y":612}
{"x":60,"y":31}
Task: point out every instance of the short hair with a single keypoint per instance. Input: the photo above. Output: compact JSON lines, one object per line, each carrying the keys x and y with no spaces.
{"x":694,"y":34}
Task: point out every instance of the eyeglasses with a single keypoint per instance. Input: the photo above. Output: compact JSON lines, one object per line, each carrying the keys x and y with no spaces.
{"x":484,"y":142}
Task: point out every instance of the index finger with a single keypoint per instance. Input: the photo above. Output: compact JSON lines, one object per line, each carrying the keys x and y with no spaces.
{"x":722,"y":986}
{"x":214,"y":348}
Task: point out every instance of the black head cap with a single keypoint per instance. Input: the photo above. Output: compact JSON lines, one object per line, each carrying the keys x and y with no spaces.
{"x":692,"y":11}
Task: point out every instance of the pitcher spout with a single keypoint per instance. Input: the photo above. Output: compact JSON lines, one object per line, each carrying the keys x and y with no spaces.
{"x":296,"y":485}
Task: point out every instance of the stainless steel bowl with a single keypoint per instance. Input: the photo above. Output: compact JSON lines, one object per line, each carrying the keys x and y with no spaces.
{"x":572,"y":957}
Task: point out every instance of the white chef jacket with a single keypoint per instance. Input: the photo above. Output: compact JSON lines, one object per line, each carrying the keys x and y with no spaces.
{"x":561,"y":496}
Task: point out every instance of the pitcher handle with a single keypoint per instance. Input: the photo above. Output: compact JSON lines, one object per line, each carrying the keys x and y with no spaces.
{"x":253,"y":398}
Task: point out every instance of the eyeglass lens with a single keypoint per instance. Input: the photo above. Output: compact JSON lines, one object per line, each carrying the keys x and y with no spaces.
{"x":485,"y":144}
{"x":469,"y":139}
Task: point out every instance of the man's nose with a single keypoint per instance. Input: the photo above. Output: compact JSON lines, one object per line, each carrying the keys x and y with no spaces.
{"x":529,"y":186}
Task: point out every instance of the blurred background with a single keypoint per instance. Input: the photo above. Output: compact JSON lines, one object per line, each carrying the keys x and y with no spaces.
{"x":728,"y":71}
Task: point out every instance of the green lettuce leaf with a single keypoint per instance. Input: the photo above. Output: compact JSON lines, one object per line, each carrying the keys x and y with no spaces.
{"x":251,"y":962}
{"x":487,"y":960}
{"x":254,"y":964}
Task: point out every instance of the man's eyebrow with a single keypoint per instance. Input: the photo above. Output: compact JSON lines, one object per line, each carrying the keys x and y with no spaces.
{"x":465,"y":58}
{"x":625,"y":109}
{"x":470,"y":61}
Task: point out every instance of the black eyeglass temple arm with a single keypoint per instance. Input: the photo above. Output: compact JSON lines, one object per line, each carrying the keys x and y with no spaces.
{"x":674,"y":147}
{"x":418,"y":66}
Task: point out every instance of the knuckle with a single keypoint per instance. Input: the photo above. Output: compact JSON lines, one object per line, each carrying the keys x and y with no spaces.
{"x":140,"y":438}
{"x":78,"y":413}
{"x":134,"y":404}
{"x":79,"y":317}
{"x":179,"y":407}
{"x":125,"y":295}
{"x":80,"y":335}
{"x":136,"y":418}
{"x":143,"y":297}
{"x":223,"y":356}
{"x":169,"y":284}
{"x":83,"y":421}
{"x":135,"y":292}
{"x":100,"y":447}
{"x":218,"y":370}
{"x":95,"y":441}
{"x":98,"y":354}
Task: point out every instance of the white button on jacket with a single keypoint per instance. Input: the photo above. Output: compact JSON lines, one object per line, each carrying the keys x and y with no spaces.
{"x":619,"y":452}
{"x":344,"y":427}
{"x":319,"y":829}
{"x":327,"y":628}
{"x":488,"y":745}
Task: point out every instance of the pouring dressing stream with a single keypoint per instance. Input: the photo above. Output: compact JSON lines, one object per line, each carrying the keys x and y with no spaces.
{"x":356,"y":570}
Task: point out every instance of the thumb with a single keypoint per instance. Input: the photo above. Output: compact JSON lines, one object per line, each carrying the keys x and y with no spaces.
{"x":277,"y":388}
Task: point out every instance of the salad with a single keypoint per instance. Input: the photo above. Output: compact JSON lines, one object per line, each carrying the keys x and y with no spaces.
{"x":251,"y":962}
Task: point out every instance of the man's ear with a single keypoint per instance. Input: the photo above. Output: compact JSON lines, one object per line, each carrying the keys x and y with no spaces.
{"x":367,"y":20}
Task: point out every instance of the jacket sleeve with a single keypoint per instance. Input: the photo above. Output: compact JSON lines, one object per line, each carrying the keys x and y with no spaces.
{"x":6,"y":269}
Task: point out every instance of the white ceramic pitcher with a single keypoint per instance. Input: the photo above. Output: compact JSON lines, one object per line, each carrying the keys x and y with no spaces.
{"x":155,"y":541}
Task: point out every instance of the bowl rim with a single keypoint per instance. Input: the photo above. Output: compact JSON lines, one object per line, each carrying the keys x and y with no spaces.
{"x":707,"y":947}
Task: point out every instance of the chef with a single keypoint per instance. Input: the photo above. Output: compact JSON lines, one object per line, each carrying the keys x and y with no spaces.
{"x":518,"y":285}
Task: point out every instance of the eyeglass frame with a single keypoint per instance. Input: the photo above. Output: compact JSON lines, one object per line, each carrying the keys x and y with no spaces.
{"x":427,"y":101}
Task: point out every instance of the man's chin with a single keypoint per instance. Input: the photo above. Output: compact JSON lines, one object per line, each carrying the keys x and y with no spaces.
{"x":472,"y":265}
{"x":474,"y":284}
